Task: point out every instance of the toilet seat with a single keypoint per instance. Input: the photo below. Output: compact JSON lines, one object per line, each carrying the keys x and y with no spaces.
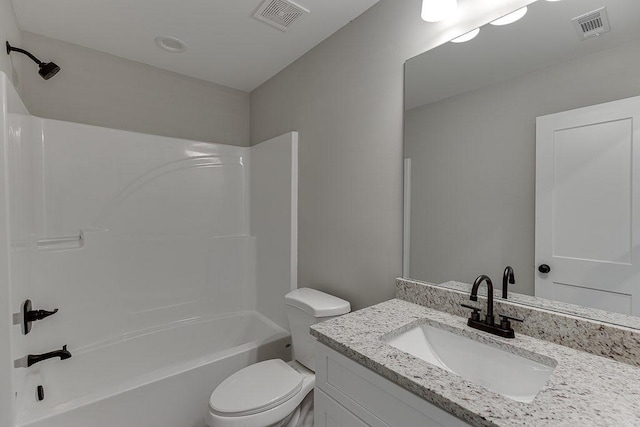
{"x":269,"y":414}
{"x":256,"y":388}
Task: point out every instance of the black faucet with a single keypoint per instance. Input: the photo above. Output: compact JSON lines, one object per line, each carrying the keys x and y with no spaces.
{"x":474,"y":296}
{"x":35,"y":358}
{"x":504,"y":329}
{"x":507,"y":277}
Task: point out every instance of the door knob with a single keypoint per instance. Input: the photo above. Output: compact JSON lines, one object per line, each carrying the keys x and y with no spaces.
{"x":544,"y":268}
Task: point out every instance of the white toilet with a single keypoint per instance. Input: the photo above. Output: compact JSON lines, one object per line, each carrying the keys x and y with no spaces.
{"x":270,"y":393}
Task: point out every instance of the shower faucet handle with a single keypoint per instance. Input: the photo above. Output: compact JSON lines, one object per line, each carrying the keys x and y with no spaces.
{"x":33,"y":315}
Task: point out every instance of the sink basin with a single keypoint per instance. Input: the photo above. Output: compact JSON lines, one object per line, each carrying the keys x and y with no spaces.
{"x":500,"y":371}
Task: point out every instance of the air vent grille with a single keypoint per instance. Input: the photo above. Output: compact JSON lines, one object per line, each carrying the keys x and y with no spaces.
{"x":592,"y":24}
{"x":280,"y":13}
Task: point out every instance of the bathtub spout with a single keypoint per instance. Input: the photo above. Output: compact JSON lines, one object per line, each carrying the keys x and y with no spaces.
{"x":35,"y":358}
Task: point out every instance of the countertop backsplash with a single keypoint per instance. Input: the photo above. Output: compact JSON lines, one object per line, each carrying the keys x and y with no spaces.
{"x":600,"y":338}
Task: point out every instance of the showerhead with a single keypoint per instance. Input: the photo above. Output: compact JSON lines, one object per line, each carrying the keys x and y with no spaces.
{"x":47,"y":69}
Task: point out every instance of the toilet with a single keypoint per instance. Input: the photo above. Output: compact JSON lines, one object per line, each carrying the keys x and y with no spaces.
{"x":272,"y":393}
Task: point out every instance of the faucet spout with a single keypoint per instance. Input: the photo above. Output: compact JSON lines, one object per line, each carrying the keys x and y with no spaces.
{"x":35,"y":358}
{"x":474,"y":295}
{"x":507,"y":277}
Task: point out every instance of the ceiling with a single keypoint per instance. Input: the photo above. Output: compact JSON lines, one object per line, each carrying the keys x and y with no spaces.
{"x":226,"y":45}
{"x":544,"y":37}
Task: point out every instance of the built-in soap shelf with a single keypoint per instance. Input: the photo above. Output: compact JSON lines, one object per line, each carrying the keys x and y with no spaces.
{"x":61,"y":243}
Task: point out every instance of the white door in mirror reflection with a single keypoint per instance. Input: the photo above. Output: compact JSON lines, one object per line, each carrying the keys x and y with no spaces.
{"x":588,"y":206}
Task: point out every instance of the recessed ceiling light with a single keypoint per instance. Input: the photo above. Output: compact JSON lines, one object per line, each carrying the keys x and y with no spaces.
{"x":171,"y":44}
{"x":466,"y":37}
{"x":510,"y":18}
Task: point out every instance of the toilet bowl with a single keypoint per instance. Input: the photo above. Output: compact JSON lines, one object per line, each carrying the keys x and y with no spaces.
{"x":263,"y":394}
{"x":270,"y":393}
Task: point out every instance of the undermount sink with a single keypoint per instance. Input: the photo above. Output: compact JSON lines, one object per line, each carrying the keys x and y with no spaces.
{"x":500,"y":371}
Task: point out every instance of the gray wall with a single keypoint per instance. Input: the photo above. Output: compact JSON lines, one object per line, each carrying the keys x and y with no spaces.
{"x":9,"y":31}
{"x":345,"y":97}
{"x":473,"y":166}
{"x":100,"y":89}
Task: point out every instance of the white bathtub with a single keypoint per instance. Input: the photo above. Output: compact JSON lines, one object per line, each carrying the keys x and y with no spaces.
{"x":155,"y":378}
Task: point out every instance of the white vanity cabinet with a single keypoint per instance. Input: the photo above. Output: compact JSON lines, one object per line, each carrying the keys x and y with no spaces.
{"x":349,"y":395}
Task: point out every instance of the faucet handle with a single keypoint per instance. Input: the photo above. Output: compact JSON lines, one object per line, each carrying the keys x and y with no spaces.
{"x":476,"y":312}
{"x":505,"y":322}
{"x":505,"y":317}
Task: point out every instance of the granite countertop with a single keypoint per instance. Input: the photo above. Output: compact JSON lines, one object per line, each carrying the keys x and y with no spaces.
{"x":583,"y":390}
{"x":611,"y":317}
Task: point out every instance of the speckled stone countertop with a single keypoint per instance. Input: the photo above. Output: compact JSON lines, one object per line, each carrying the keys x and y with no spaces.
{"x":539,"y":303}
{"x":583,"y":390}
{"x":593,"y":336}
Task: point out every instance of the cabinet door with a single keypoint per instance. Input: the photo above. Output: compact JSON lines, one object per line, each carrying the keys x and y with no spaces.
{"x":329,"y":413}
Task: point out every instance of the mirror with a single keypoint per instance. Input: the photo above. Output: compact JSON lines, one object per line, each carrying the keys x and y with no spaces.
{"x":470,"y":148}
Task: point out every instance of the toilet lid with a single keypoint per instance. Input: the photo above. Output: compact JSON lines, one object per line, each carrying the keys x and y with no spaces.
{"x":256,"y":388}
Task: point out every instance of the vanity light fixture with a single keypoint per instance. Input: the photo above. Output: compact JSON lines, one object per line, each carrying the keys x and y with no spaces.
{"x":467,"y":36}
{"x":438,"y":10}
{"x":510,"y":18}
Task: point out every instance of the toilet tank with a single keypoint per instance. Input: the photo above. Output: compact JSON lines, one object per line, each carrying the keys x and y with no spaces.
{"x":306,"y":307}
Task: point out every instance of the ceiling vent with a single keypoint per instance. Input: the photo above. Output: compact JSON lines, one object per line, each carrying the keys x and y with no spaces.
{"x":280,"y":13}
{"x":592,"y":24}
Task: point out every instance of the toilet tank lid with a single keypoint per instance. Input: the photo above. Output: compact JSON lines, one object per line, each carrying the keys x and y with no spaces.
{"x":316,"y":303}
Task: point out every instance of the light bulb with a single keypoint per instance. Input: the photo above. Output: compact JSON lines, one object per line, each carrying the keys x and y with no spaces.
{"x":438,"y":10}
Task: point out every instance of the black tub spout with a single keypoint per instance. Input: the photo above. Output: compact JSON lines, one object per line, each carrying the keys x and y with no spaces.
{"x":35,"y":358}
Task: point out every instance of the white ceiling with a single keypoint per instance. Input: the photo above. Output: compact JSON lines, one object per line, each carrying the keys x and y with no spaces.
{"x":226,"y":45}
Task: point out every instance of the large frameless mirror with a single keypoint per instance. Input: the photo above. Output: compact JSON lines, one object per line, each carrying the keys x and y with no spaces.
{"x":478,"y":113}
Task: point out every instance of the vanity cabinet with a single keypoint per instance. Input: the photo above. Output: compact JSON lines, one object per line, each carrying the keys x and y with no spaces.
{"x":329,"y":413}
{"x":348,"y":394}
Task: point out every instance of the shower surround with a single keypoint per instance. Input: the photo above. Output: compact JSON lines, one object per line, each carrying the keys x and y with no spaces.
{"x":168,"y":260}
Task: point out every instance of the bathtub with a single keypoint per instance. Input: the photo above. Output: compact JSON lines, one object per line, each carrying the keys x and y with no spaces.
{"x":157,"y":378}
